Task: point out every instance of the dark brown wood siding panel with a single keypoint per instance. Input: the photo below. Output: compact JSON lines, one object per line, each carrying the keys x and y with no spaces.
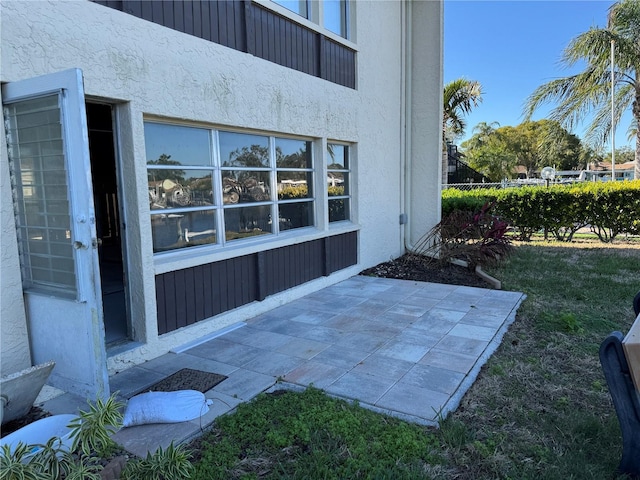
{"x":290,"y":266}
{"x":249,"y":27}
{"x":190,"y":295}
{"x":343,"y":251}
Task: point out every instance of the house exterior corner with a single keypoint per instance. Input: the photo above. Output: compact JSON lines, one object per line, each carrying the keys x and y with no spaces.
{"x":234,"y":156}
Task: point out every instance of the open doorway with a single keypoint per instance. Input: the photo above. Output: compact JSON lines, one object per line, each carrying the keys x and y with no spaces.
{"x":104,"y":172}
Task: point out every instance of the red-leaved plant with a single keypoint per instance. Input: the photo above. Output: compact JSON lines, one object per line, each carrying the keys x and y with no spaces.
{"x":479,"y":238}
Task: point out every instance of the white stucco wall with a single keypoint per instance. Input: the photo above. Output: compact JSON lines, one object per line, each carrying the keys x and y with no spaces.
{"x":14,"y":341}
{"x":425,"y":114}
{"x":148,"y":69}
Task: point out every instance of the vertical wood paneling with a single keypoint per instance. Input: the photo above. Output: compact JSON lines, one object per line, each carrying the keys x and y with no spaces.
{"x":167,"y":14}
{"x":196,"y":11}
{"x":216,"y":302}
{"x":171,"y":302}
{"x":146,"y":10}
{"x":187,"y":17}
{"x":132,"y":7}
{"x":193,"y":294}
{"x":189,"y":311}
{"x":161,"y":304}
{"x":207,"y":304}
{"x":231,"y":26}
{"x":222,"y":23}
{"x":222,"y":281}
{"x":157,"y":14}
{"x":241,"y":27}
{"x":198,"y":288}
{"x":248,"y":27}
{"x":180,"y":299}
{"x":205,"y":20}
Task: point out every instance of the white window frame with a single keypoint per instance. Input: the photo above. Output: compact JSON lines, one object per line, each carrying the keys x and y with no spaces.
{"x":219,"y":207}
{"x":348,"y":172}
{"x":315,"y":19}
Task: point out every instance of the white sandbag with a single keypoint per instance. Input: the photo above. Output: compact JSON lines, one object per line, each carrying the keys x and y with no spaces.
{"x":165,"y":407}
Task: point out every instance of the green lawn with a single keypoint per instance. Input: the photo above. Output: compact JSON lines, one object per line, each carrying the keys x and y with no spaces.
{"x":540,"y":408}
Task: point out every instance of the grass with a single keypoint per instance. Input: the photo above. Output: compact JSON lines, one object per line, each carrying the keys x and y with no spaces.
{"x":540,"y":408}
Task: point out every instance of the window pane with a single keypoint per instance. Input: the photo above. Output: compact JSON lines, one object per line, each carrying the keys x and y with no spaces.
{"x":176,"y":145}
{"x":293,"y":153}
{"x":296,"y":6}
{"x":245,"y":186}
{"x":247,"y":221}
{"x":243,"y":150}
{"x":338,"y":209}
{"x":335,"y":16}
{"x":179,"y":230}
{"x":179,"y":188}
{"x":295,"y":215}
{"x":39,"y":182}
{"x":337,"y":183}
{"x":292,"y":184}
{"x":337,"y":157}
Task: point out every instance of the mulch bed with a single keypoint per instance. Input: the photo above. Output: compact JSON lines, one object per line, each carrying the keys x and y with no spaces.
{"x":408,"y":267}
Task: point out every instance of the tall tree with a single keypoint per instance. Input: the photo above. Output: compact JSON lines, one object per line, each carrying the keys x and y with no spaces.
{"x":460,"y":97}
{"x":488,"y":152}
{"x":590,"y":90}
{"x":497,"y":152}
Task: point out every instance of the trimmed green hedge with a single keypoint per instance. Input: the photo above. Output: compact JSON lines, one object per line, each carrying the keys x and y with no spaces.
{"x":608,"y":208}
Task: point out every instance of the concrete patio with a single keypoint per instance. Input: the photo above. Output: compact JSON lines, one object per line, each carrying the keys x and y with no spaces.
{"x":404,"y":348}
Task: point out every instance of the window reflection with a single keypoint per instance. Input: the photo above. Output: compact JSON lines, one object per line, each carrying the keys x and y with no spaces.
{"x":243,"y":150}
{"x":338,"y":209}
{"x":179,"y":188}
{"x":295,"y":215}
{"x":338,"y":174}
{"x":296,"y":6}
{"x":295,"y":184}
{"x":246,"y":222}
{"x":335,"y":16}
{"x":293,"y":153}
{"x":245,"y":186}
{"x":176,"y":145}
{"x":186,"y":229}
{"x":212,"y":187}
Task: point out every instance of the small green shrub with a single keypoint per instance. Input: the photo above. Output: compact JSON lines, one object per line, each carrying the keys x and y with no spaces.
{"x":91,"y":432}
{"x":92,"y":429}
{"x":171,"y":464}
{"x":49,"y":463}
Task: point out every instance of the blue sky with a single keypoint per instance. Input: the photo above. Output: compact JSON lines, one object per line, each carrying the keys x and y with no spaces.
{"x":512,"y":47}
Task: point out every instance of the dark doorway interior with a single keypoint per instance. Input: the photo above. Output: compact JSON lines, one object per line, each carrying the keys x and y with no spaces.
{"x":108,"y":221}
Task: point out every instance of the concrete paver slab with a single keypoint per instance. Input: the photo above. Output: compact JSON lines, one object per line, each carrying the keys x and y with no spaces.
{"x":360,"y":386}
{"x":405,"y":348}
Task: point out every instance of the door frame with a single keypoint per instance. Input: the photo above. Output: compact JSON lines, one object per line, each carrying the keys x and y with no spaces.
{"x":70,"y":331}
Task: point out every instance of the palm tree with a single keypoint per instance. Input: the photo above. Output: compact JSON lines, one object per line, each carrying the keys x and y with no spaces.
{"x":460,"y":97}
{"x":590,"y":90}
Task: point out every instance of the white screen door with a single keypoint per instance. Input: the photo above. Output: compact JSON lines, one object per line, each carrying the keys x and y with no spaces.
{"x":47,"y":141}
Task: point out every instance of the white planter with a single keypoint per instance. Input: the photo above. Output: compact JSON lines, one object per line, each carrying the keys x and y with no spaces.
{"x":40,"y":432}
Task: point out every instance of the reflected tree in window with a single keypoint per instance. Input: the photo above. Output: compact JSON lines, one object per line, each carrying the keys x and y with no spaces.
{"x":164,"y":159}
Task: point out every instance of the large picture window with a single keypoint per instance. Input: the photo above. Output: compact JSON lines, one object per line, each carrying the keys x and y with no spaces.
{"x":338,"y":182}
{"x":215,"y":187}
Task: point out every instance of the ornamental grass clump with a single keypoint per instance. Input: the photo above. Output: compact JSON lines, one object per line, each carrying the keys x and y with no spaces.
{"x":478,"y":238}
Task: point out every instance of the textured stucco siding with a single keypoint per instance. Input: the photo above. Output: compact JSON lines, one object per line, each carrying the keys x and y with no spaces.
{"x":14,"y":340}
{"x":150,"y":70}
